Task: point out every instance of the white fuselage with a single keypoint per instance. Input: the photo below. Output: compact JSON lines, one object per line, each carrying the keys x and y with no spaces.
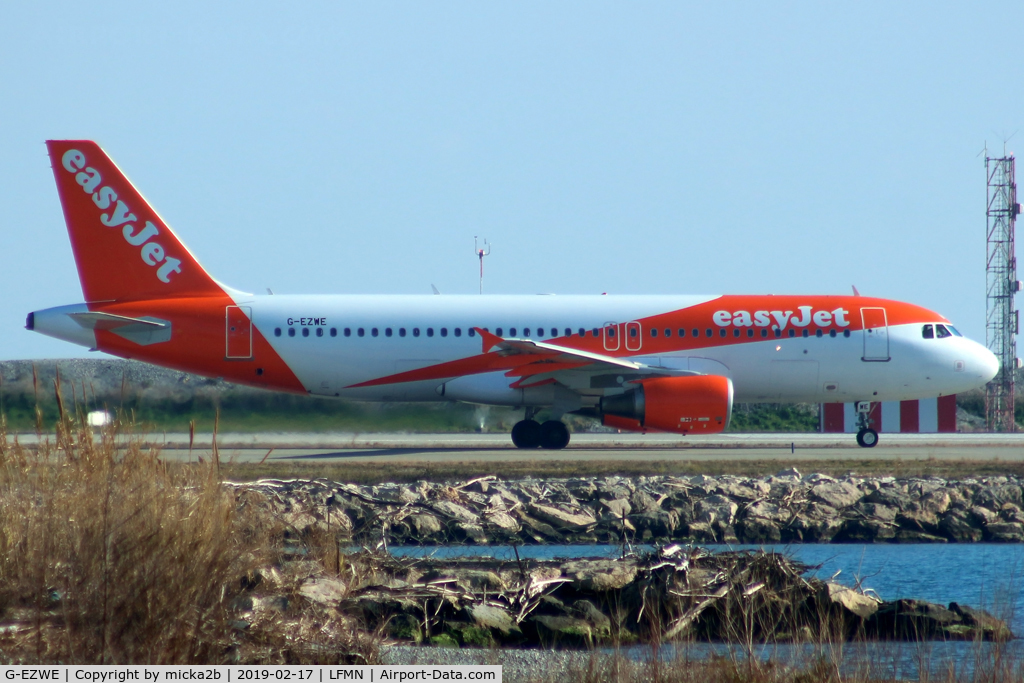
{"x":798,"y":369}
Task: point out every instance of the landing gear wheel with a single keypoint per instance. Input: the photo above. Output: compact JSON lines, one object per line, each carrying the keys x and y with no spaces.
{"x":867,"y":438}
{"x":526,"y":434}
{"x":554,"y":435}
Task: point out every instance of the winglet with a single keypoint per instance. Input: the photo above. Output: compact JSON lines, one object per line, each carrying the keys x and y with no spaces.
{"x":490,"y":340}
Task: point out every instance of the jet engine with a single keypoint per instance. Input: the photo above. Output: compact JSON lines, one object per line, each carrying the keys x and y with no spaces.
{"x":700,"y":404}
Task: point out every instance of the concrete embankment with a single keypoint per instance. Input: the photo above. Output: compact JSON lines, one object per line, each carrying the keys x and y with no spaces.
{"x":785,"y":508}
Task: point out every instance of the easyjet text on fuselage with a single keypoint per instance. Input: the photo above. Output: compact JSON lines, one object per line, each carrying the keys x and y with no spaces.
{"x":802,"y":317}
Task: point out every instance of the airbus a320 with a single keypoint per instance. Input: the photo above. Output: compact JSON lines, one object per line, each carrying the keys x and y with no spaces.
{"x":645,"y":363}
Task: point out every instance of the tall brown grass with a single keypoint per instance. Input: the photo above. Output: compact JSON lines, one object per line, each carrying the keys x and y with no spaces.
{"x":109,"y":556}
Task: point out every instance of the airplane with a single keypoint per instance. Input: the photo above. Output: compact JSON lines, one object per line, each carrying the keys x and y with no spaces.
{"x":658,"y":363}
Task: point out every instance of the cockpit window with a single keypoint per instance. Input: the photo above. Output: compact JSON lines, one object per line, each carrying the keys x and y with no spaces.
{"x":941,"y":332}
{"x":956,"y":332}
{"x":927,"y":332}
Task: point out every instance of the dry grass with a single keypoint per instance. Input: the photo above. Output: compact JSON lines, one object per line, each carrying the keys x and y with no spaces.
{"x":110,"y":556}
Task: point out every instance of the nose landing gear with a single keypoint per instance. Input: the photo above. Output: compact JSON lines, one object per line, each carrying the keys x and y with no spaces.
{"x":866,"y":436}
{"x":552,"y":435}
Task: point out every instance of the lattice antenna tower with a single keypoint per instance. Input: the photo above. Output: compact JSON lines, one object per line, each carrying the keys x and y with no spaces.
{"x":1001,"y":321}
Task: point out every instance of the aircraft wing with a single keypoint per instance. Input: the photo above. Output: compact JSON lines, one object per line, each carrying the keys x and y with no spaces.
{"x":543,"y":362}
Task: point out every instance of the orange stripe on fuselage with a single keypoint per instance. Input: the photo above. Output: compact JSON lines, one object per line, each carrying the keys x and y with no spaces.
{"x":701,"y":317}
{"x":197,"y":343}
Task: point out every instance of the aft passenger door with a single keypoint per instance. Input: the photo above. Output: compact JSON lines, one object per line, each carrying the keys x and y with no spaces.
{"x":876,"y":335}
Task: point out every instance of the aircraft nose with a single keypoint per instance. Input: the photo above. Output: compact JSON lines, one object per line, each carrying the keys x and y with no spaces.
{"x":987,"y":363}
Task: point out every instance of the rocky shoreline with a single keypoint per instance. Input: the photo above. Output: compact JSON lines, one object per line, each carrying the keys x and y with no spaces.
{"x":659,"y":596}
{"x":785,"y":508}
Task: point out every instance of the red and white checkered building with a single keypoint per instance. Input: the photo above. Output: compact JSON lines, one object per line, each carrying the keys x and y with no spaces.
{"x":924,"y":416}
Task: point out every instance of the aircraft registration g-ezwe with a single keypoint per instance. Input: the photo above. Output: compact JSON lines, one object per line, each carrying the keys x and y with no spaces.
{"x":660,"y":363}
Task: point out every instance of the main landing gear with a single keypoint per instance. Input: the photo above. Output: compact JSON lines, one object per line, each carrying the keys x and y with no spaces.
{"x":529,"y":433}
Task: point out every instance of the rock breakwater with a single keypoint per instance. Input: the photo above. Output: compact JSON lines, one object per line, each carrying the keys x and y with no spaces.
{"x":671,"y":593}
{"x":785,"y":508}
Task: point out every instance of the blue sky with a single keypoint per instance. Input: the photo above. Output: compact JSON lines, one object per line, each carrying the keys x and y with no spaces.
{"x":643,"y":148}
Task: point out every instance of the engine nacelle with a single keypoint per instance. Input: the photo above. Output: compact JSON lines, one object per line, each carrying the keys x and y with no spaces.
{"x":699,"y":404}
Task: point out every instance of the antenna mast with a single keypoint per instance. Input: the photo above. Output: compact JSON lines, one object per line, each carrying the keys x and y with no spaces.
{"x":486,"y":251}
{"x":1001,"y":319}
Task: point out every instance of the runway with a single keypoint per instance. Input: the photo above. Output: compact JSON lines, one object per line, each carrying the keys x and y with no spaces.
{"x":483,"y":448}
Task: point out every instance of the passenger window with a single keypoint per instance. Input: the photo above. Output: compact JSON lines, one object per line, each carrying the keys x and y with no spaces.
{"x":764,"y":332}
{"x":334,"y":331}
{"x":361,"y":332}
{"x":632,"y":332}
{"x":277,"y":331}
{"x":430,"y":331}
{"x":568,"y":332}
{"x":805,"y":333}
{"x":471,"y":332}
{"x":668,"y":332}
{"x":817,"y":333}
{"x":374,"y":332}
{"x":497,"y":331}
{"x":415,"y":331}
{"x":654,"y":331}
{"x":526,"y":331}
{"x":595,"y":332}
{"x":387,"y":331}
{"x":846,"y":333}
{"x":927,"y":332}
{"x":305,"y":331}
{"x":750,"y":333}
{"x":792,"y":332}
{"x":722,"y":332}
{"x":511,"y":331}
{"x":458,"y":331}
{"x":778,"y":333}
{"x":832,"y":333}
{"x":708,"y":332}
{"x":941,"y":332}
{"x":736,"y":332}
{"x":583,"y":332}
{"x":444,"y":331}
{"x":348,"y":331}
{"x":401,"y":331}
{"x":319,"y":331}
{"x":291,"y":331}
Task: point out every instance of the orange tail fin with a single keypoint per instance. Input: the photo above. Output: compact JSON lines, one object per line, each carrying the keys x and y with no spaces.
{"x":123,"y":249}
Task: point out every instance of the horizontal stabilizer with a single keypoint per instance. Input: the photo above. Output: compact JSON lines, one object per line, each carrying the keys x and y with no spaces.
{"x":142,"y":331}
{"x":109,"y":321}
